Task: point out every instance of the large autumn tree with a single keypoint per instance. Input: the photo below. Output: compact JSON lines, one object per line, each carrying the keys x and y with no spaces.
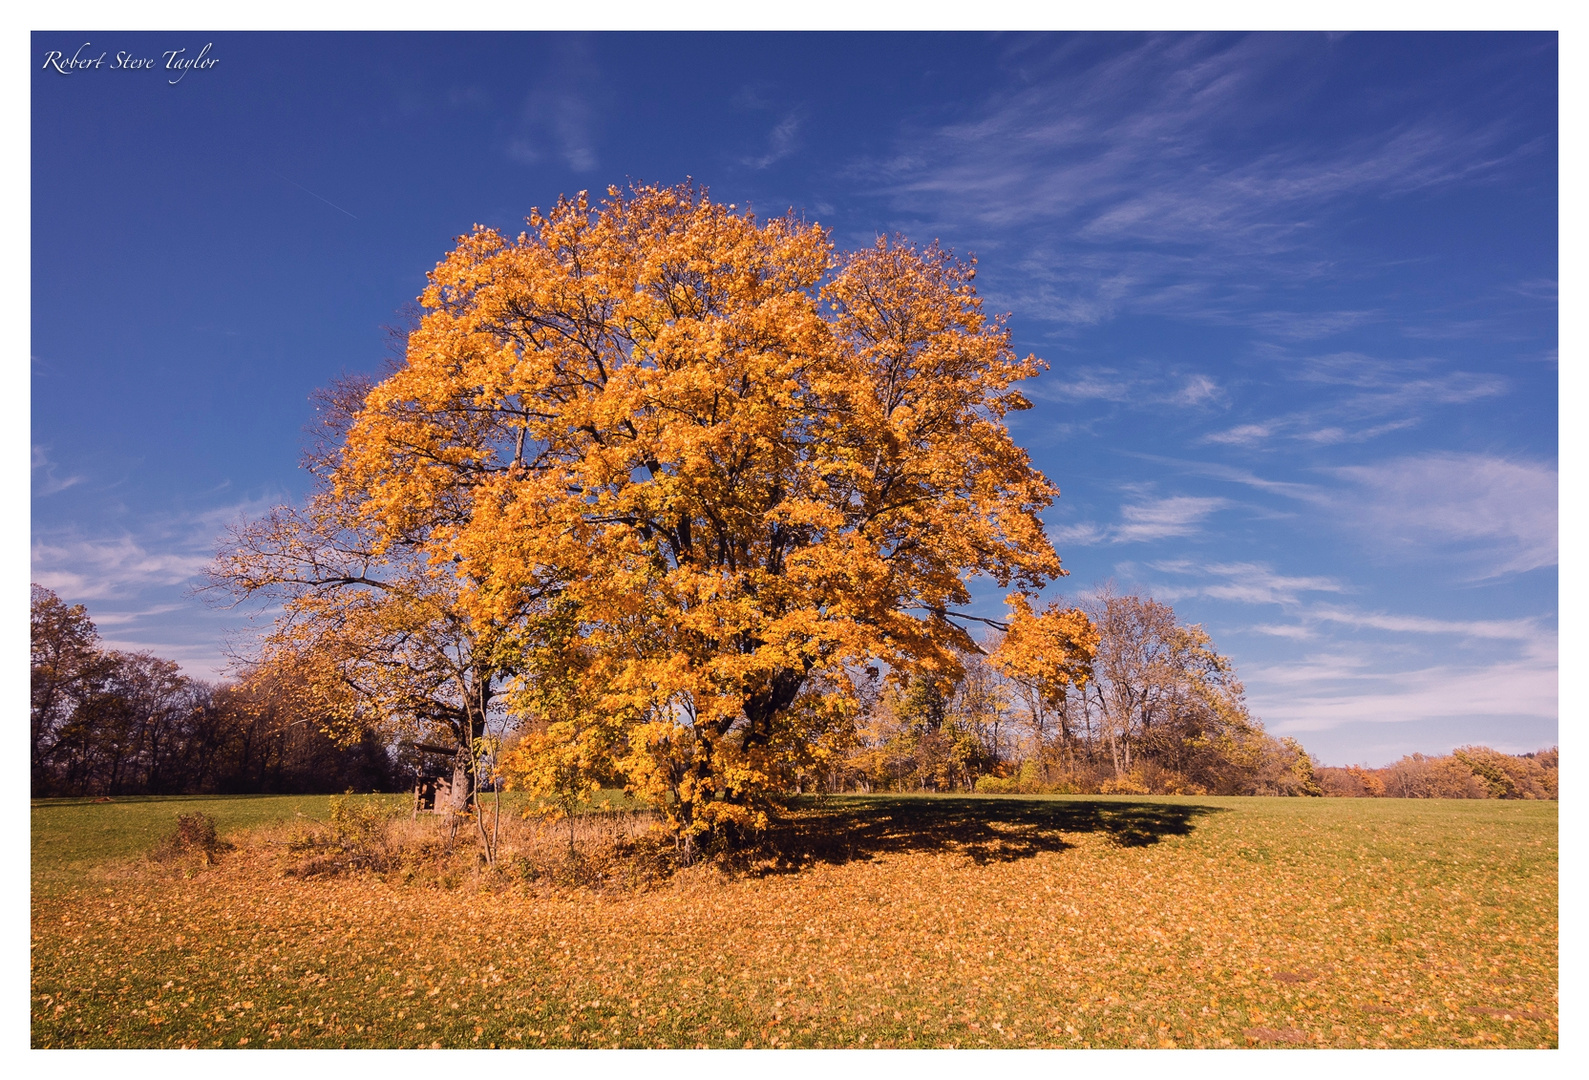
{"x":739,"y":468}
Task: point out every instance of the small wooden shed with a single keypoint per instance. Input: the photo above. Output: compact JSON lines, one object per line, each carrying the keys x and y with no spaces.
{"x":432,"y":794}
{"x":433,"y":783}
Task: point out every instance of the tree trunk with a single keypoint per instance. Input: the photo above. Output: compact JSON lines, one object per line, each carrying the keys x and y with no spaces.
{"x":462,"y":793}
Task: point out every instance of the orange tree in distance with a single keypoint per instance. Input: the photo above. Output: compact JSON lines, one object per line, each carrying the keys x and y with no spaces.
{"x":737,"y":468}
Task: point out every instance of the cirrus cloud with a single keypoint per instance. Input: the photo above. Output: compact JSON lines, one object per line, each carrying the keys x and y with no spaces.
{"x":1497,"y":513}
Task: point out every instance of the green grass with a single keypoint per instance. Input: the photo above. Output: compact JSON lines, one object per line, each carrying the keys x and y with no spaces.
{"x":887,"y":921}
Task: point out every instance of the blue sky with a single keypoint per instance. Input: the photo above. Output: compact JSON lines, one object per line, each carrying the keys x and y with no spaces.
{"x":1298,"y":293}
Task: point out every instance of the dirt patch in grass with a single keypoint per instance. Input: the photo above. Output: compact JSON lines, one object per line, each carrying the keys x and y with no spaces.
{"x":1275,"y":1035}
{"x":1301,"y":975}
{"x":970,"y":922}
{"x":1507,"y":1014}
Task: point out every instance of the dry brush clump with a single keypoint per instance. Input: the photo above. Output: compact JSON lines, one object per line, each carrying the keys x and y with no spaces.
{"x":369,"y":836}
{"x":194,"y":839}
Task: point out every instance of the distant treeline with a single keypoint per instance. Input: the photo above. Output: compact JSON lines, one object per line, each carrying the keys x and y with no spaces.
{"x":1161,"y":712}
{"x":123,"y":723}
{"x":1468,"y":772}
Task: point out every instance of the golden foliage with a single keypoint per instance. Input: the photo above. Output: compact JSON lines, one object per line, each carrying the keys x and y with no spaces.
{"x":745,"y":463}
{"x":1053,"y":650}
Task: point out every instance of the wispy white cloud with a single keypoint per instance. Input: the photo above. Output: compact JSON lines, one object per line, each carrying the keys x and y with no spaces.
{"x":1284,"y":630}
{"x":1243,"y":435}
{"x":1198,"y":390}
{"x":557,"y":126}
{"x":1378,"y":667}
{"x":1543,"y":290}
{"x":1143,"y":520}
{"x":1333,"y":435}
{"x":1367,"y":397}
{"x":103,"y":619}
{"x":1234,"y":475}
{"x":1494,"y":515}
{"x":45,"y":479}
{"x":559,"y":121}
{"x":1161,"y":519}
{"x":1528,"y":630}
{"x":781,"y":142}
{"x":104,"y":568}
{"x":1383,"y":385}
{"x":1079,"y":533}
{"x":1308,"y":325}
{"x":752,"y":96}
{"x":1084,"y":384}
{"x":1127,"y":166}
{"x":1328,"y":691}
{"x":1497,"y":512}
{"x":1242,"y":582}
{"x":1305,"y":428}
{"x":136,"y":578}
{"x":1315,"y":619}
{"x":1145,"y":386}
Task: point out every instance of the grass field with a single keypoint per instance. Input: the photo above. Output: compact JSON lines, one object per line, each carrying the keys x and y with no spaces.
{"x":887,"y":921}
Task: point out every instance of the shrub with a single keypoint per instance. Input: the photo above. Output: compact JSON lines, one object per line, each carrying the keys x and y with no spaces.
{"x":195,"y":835}
{"x":999,"y":785}
{"x":360,"y":823}
{"x":357,"y":837}
{"x":1131,"y":783}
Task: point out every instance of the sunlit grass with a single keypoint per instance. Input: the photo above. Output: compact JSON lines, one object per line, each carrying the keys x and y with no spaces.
{"x":883,"y":922}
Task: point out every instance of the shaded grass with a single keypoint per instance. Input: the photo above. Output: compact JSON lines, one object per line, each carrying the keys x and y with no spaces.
{"x":985,"y":828}
{"x":888,"y":921}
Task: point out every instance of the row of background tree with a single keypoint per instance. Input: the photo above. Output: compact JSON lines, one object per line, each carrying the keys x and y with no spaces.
{"x":1162,"y":714}
{"x":106,"y":722}
{"x":1469,"y":772}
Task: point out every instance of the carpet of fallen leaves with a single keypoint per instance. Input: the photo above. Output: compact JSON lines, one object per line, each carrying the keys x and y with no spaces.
{"x":879,"y":922}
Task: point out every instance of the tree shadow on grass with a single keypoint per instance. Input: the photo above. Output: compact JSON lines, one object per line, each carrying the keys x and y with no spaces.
{"x":843,"y":829}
